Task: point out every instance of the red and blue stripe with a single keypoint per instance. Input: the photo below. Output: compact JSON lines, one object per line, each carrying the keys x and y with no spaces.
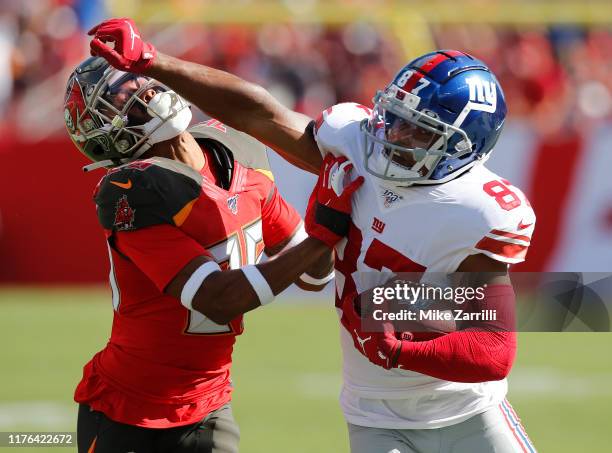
{"x":427,"y":67}
{"x":517,"y":429}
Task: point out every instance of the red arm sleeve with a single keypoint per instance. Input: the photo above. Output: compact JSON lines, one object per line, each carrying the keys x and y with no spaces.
{"x":466,"y":356}
{"x":159,"y":251}
{"x":280,"y":220}
{"x":471,"y":355}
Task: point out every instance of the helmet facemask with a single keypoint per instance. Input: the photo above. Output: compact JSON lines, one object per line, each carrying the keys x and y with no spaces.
{"x":404,"y":145}
{"x":117,"y":125}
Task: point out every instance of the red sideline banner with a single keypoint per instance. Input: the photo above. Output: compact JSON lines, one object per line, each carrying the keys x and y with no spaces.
{"x":49,"y":231}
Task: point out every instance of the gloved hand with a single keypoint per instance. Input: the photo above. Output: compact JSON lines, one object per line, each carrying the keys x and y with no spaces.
{"x":328,"y":215}
{"x":380,"y":348}
{"x":130,"y":54}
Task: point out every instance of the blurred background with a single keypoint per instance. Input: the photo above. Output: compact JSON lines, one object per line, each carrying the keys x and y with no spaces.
{"x":554,"y":60}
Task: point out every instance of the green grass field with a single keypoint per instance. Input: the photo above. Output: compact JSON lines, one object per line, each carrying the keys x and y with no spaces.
{"x":286,"y":373}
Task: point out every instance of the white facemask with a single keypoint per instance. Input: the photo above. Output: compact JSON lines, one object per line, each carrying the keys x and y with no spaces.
{"x":167,"y":104}
{"x":378,"y":162}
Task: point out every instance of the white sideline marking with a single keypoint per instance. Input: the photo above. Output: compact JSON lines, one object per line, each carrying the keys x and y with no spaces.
{"x":319,"y":385}
{"x":525,"y":381}
{"x":50,"y":415}
{"x":551,"y":382}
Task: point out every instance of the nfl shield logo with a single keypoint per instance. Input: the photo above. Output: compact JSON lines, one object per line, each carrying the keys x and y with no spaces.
{"x":232,"y":204}
{"x":390,"y":197}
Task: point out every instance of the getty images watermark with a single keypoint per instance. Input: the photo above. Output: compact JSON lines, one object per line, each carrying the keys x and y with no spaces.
{"x":432,"y":303}
{"x":544,"y":302}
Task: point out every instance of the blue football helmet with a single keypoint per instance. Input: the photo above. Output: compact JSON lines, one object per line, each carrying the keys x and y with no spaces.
{"x":441,"y":114}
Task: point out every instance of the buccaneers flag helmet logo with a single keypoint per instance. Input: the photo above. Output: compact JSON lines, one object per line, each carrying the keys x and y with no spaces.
{"x":124,"y":215}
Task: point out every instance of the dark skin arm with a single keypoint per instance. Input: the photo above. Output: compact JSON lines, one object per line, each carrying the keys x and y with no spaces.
{"x":253,"y":110}
{"x":227,"y":294}
{"x":244,"y":106}
{"x":321,"y":268}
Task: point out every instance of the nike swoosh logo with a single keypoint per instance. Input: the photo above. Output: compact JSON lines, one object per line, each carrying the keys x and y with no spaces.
{"x":522,"y":226}
{"x":124,"y":185}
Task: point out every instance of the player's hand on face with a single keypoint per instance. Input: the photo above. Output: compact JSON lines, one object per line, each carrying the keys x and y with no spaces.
{"x":329,"y":208}
{"x":381,"y":348}
{"x":130,"y":52}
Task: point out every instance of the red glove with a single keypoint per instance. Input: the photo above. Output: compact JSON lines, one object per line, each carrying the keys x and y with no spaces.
{"x":328,"y":215}
{"x":130,"y":54}
{"x":380,"y":348}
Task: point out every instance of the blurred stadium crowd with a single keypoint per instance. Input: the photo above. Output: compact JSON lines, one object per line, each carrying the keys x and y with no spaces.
{"x":558,"y":77}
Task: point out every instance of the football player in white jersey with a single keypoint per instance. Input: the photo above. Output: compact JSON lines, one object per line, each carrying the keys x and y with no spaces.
{"x":427,"y":204}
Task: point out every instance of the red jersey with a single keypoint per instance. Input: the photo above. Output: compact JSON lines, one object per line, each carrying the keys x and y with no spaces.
{"x":164,"y":365}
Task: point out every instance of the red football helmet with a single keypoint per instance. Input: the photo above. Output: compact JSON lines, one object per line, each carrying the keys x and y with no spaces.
{"x":113,"y":117}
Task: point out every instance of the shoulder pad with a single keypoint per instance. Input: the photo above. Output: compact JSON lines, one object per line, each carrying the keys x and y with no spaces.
{"x":145,"y":193}
{"x":249,"y":152}
{"x":335,"y":125}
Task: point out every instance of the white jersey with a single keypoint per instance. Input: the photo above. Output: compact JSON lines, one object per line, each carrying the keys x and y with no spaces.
{"x":429,"y":229}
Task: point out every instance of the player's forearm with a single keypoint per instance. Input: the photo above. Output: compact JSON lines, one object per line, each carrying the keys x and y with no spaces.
{"x":222,"y":95}
{"x":478,"y":353}
{"x":242,"y":105}
{"x":225,"y":295}
{"x":287,"y":268}
{"x":466,"y":356}
{"x":323,"y":266}
{"x":318,"y":275}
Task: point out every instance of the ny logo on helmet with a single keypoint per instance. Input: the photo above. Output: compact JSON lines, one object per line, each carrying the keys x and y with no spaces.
{"x":483,"y":94}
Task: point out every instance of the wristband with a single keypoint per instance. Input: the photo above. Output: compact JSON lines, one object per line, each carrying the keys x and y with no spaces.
{"x":195,"y":281}
{"x":337,"y":222}
{"x":259,"y":283}
{"x":317,"y":281}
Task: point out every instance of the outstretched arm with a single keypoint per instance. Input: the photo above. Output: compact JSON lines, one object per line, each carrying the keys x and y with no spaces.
{"x":239,"y":104}
{"x":318,"y":274}
{"x":244,"y":106}
{"x":222,"y":296}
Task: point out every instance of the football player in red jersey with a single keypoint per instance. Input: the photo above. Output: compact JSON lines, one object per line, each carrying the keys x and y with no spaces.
{"x":428,"y":205}
{"x":187,"y":214}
